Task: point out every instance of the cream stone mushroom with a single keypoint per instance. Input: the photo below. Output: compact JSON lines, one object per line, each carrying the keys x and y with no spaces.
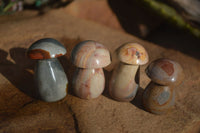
{"x":50,"y":77}
{"x":123,"y":86}
{"x":89,"y":57}
{"x":159,"y":95}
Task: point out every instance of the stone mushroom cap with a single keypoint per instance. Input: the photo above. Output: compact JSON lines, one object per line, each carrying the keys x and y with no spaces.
{"x":90,"y":54}
{"x":133,"y":53}
{"x":165,"y":72}
{"x":45,"y":49}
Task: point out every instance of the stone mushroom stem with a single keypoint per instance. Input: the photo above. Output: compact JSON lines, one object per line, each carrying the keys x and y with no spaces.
{"x":50,"y":79}
{"x":88,"y":83}
{"x":158,"y":99}
{"x":123,"y":86}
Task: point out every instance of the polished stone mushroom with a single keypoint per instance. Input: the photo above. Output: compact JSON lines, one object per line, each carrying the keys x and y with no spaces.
{"x":50,"y":77}
{"x":89,"y":57}
{"x":123,"y":85}
{"x":159,"y":95}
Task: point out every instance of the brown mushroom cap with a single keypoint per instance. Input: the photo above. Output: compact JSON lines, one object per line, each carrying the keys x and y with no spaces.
{"x":165,"y":72}
{"x":45,"y":49}
{"x":133,"y":53}
{"x":90,"y":54}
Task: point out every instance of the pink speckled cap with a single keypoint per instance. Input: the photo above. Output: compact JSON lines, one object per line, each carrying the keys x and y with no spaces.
{"x":133,"y":53}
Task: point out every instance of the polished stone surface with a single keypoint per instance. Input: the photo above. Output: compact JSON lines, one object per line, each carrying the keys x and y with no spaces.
{"x":90,"y":54}
{"x":133,"y":53}
{"x":45,"y":49}
{"x":88,"y":83}
{"x":158,"y":99}
{"x":21,"y":113}
{"x":51,"y":80}
{"x":123,"y":85}
{"x":90,"y":57}
{"x":165,"y":72}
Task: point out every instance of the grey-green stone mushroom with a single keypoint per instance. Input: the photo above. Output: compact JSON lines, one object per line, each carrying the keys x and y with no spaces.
{"x":50,"y":77}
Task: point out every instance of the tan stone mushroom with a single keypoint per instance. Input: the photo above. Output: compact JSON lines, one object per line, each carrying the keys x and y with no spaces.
{"x":123,"y":86}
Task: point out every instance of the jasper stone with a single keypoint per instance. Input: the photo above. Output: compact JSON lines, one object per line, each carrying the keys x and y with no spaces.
{"x":51,"y":80}
{"x":123,"y":86}
{"x":165,"y":72}
{"x":88,"y":83}
{"x":90,"y":54}
{"x":133,"y":53}
{"x":158,"y":99}
{"x":45,"y":49}
{"x":89,"y":57}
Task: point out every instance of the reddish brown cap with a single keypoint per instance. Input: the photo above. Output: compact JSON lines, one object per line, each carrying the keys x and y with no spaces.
{"x":45,"y":49}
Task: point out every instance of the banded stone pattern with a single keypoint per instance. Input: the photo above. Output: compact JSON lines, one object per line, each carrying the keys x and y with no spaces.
{"x":88,"y":83}
{"x":90,"y":54}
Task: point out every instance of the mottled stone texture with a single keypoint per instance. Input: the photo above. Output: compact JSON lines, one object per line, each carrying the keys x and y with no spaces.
{"x":158,"y":99}
{"x":21,"y":113}
{"x":123,"y":84}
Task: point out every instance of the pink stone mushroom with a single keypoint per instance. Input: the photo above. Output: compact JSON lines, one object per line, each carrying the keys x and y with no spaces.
{"x":89,"y":57}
